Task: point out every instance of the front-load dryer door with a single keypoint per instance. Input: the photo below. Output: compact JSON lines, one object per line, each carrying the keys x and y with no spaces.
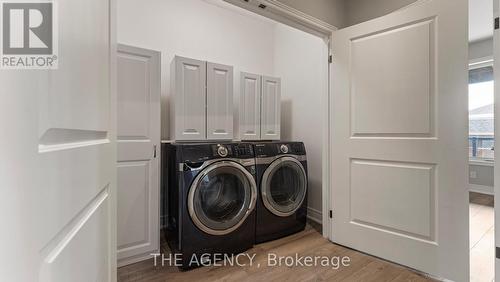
{"x":221,"y":197}
{"x":284,"y":186}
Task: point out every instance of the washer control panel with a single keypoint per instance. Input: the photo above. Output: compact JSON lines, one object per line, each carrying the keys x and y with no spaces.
{"x":243,"y":150}
{"x":231,"y":150}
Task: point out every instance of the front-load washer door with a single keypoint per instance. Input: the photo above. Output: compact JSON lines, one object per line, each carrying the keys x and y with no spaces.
{"x":284,"y":186}
{"x":221,"y":197}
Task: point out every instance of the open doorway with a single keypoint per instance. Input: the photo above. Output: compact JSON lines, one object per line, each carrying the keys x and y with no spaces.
{"x":250,"y":44}
{"x":481,"y":154}
{"x":481,"y":141}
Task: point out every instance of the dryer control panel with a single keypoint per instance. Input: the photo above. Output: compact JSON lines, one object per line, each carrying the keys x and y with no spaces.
{"x":279,"y":148}
{"x":198,"y":153}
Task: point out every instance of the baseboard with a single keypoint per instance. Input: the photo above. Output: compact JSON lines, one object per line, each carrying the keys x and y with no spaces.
{"x":314,"y":215}
{"x":135,"y":259}
{"x":489,"y":190}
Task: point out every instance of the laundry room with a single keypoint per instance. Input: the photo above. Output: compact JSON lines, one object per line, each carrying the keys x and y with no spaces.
{"x":226,"y":79}
{"x":249,"y":140}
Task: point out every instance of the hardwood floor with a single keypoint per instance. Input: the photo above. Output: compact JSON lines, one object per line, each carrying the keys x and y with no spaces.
{"x":307,"y":243}
{"x":481,"y":238}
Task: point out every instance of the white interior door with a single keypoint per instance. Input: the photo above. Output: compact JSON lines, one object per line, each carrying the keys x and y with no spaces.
{"x":399,"y":138}
{"x":138,"y":137}
{"x":58,"y":178}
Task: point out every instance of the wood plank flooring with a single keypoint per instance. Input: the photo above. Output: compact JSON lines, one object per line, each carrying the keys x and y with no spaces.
{"x":310,"y":243}
{"x":307,"y":243}
{"x":481,"y":238}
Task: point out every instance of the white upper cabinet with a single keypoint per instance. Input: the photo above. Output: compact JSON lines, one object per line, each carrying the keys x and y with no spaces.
{"x":219,"y":102}
{"x":188,"y":97}
{"x":270,"y":108}
{"x":250,"y":94}
{"x":201,"y":106}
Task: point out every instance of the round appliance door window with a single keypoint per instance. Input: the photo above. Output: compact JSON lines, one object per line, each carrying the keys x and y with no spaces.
{"x":221,"y":197}
{"x":284,"y":186}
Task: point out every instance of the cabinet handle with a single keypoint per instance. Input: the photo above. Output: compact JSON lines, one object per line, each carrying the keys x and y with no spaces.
{"x":154,"y":151}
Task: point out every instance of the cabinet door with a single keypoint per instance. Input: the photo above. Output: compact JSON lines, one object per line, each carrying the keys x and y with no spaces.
{"x":219,"y":102}
{"x":270,"y":109}
{"x":138,"y":231}
{"x":188,"y":112}
{"x":250,"y":94}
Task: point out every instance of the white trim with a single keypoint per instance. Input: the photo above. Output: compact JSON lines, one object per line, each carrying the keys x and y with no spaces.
{"x":304,"y":18}
{"x":496,"y":170}
{"x":314,"y":215}
{"x":112,"y":190}
{"x":285,"y":14}
{"x":327,"y":134}
{"x":138,"y":258}
{"x":483,"y":189}
{"x":481,"y":62}
{"x":73,"y":145}
{"x":481,"y":162}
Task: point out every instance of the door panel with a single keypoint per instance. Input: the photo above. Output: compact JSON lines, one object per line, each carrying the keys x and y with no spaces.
{"x":219,"y":102}
{"x":133,"y":207}
{"x":270,"y":108}
{"x":76,"y":137}
{"x":85,"y":248}
{"x":250,"y":95}
{"x":399,"y":138}
{"x":87,"y":107}
{"x":188,"y":113}
{"x":60,"y":198}
{"x":138,"y":155}
{"x":135,"y":94}
{"x":412,"y":184}
{"x":397,"y":94}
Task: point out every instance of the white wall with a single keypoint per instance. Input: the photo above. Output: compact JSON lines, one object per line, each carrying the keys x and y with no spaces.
{"x":358,"y":11}
{"x":219,"y":32}
{"x":300,"y":60}
{"x":329,"y":11}
{"x":481,"y":49}
{"x":206,"y":30}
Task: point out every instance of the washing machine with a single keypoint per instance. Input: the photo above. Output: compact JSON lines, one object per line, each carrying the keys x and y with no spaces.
{"x":210,"y":194}
{"x":282,"y":200}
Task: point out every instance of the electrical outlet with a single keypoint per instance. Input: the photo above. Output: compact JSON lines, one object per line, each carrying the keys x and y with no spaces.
{"x":473,"y":174}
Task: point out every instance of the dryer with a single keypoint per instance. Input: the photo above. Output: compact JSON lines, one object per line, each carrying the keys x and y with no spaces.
{"x":211,"y":196}
{"x":282,"y":201}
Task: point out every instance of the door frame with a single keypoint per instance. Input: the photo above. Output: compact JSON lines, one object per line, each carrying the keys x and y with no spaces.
{"x":287,"y":15}
{"x":113,"y":85}
{"x":496,"y":167}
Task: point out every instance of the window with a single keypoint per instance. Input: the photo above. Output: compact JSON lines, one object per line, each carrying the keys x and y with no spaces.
{"x":481,"y":122}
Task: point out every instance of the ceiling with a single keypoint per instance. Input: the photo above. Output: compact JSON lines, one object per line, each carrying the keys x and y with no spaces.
{"x":480,"y":19}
